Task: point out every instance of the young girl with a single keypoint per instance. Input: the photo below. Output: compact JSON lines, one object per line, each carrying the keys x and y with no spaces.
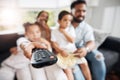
{"x":32,"y":40}
{"x":63,"y":42}
{"x":33,"y":36}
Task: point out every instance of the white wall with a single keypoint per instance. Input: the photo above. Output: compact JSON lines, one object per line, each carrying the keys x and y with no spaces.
{"x":106,"y":16}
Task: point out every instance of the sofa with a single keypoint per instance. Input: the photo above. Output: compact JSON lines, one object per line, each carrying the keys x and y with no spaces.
{"x":110,"y":49}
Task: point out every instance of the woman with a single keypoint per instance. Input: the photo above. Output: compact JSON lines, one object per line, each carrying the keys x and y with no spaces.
{"x":42,"y":19}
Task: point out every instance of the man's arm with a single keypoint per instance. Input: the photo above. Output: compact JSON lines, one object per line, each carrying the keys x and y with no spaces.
{"x":81,"y":52}
{"x":90,"y":45}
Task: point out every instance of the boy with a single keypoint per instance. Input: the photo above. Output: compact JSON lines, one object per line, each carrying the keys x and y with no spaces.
{"x":63,"y":42}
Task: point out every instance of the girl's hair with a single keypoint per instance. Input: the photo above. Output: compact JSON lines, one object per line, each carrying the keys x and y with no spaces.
{"x":62,"y":14}
{"x":28,"y":24}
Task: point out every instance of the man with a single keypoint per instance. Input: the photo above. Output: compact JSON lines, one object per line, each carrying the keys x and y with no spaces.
{"x":85,"y":41}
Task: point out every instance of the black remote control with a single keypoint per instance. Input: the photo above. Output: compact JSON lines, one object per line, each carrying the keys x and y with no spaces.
{"x":42,"y":57}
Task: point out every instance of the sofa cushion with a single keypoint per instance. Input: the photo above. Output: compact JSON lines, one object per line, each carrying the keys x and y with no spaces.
{"x":111,"y":58}
{"x":100,"y":37}
{"x":3,"y":56}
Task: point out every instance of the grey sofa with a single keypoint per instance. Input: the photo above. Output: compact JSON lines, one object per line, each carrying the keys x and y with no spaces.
{"x":111,"y":50}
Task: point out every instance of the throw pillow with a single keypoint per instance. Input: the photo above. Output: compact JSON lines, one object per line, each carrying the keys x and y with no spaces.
{"x":100,"y":37}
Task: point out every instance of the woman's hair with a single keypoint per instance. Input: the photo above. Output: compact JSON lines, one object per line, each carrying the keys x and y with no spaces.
{"x":78,"y":2}
{"x":28,"y":24}
{"x":41,"y":13}
{"x":62,"y":14}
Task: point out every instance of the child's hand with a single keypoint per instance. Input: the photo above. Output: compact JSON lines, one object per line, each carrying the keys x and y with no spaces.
{"x":29,"y":47}
{"x":28,"y":50}
{"x":64,"y":53}
{"x":61,"y":30}
{"x":39,"y":45}
{"x":13,"y":50}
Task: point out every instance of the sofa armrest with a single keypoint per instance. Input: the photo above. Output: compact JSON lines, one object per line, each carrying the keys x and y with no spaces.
{"x":111,"y":43}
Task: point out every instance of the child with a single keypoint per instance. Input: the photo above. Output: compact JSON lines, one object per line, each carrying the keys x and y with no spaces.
{"x":33,"y":39}
{"x":63,"y":42}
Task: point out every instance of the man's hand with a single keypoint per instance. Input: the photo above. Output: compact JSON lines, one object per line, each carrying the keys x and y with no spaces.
{"x":81,"y":52}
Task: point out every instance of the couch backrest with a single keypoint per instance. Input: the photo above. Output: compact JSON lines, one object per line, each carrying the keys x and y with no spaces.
{"x":6,"y":42}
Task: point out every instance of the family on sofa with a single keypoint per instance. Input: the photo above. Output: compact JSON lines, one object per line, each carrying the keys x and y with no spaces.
{"x":19,"y":62}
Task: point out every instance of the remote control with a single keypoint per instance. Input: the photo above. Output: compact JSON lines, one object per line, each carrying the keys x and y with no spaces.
{"x":42,"y":57}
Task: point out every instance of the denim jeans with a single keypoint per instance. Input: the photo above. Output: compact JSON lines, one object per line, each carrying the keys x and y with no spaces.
{"x":97,"y":66}
{"x":77,"y":73}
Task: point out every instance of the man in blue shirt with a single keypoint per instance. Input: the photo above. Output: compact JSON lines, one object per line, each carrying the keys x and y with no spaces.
{"x":85,"y":42}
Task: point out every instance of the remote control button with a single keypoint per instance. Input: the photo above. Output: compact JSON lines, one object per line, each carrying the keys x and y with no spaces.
{"x":51,"y":57}
{"x":43,"y":55}
{"x":38,"y":57}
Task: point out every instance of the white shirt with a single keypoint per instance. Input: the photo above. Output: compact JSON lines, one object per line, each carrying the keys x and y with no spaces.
{"x":60,"y":39}
{"x":19,"y":60}
{"x":84,"y":33}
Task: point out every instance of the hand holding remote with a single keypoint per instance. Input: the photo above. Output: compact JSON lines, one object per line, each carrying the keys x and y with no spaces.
{"x":42,"y":57}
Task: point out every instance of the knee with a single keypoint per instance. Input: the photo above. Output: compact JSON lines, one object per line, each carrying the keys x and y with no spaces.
{"x":95,"y":55}
{"x":99,"y":56}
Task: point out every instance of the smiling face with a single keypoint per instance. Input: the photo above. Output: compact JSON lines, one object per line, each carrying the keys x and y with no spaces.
{"x":79,"y":12}
{"x":33,"y":33}
{"x":43,"y":16}
{"x":65,"y":21}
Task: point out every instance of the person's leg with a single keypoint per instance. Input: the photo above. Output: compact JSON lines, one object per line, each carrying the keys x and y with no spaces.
{"x":86,"y":71}
{"x":38,"y":73}
{"x":97,"y":65}
{"x":7,"y":73}
{"x":54,"y":72}
{"x":78,"y":73}
{"x":23,"y":74}
{"x":69,"y":74}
